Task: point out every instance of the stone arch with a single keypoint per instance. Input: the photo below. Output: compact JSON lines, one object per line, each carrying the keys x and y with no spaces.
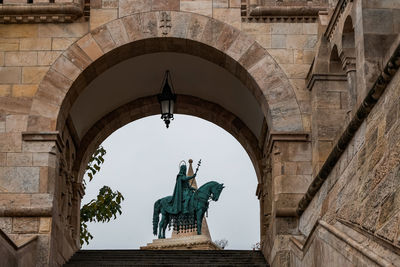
{"x":348,"y":38}
{"x":188,"y":105}
{"x":335,"y":64}
{"x":143,"y":33}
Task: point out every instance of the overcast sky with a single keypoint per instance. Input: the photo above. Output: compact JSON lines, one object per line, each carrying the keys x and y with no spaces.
{"x":142,"y":163}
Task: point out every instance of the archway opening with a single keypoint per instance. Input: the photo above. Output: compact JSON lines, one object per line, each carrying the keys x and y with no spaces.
{"x":141,"y":162}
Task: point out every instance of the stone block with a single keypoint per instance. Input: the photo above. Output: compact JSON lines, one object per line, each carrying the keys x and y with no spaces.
{"x":103,"y":38}
{"x":254,"y":54}
{"x":37,"y":146}
{"x":16,"y":123}
{"x":196,"y":27}
{"x":203,"y":7}
{"x":15,"y":105}
{"x":20,"y":179}
{"x":110,"y":3}
{"x":24,"y":90}
{"x":62,"y":43}
{"x":19,"y":31}
{"x":220,"y":4}
{"x":35,"y":44}
{"x":310,"y":28}
{"x":19,"y":159}
{"x":5,"y":90}
{"x":256,"y":28}
{"x":118,"y":33}
{"x":25,"y":225}
{"x":227,"y":37}
{"x":47,"y":58}
{"x":234,"y":3}
{"x":21,"y":58}
{"x":370,"y":18}
{"x":282,"y":55}
{"x":76,"y":29}
{"x":102,"y":16}
{"x":303,"y":56}
{"x":127,"y":7}
{"x":3,"y":159}
{"x":6,"y":224}
{"x":95,"y":4}
{"x":263,"y":39}
{"x":66,"y":68}
{"x":44,"y":225}
{"x":41,"y":159}
{"x":159,"y":5}
{"x":228,"y":15}
{"x":286,"y":28}
{"x":180,"y":24}
{"x":10,"y":75}
{"x":291,"y":184}
{"x":76,"y":55}
{"x":301,"y":41}
{"x":296,"y":71}
{"x":90,"y":47}
{"x":33,"y":75}
{"x":278,"y":41}
{"x":8,"y":44}
{"x":10,"y":142}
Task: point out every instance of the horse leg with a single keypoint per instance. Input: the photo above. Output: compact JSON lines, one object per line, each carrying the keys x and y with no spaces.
{"x":161,"y":225}
{"x":199,"y":215}
{"x":166,"y":218}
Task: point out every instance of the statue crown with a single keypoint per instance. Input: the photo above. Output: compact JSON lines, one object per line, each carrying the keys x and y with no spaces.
{"x":182,"y":163}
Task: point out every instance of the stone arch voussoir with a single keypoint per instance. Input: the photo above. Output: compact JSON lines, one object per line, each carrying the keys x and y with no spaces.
{"x":143,"y":33}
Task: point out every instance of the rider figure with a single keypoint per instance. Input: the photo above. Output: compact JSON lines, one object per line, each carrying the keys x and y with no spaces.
{"x":182,"y":192}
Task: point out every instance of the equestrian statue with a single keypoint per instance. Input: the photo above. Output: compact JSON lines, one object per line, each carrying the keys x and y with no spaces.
{"x":185,"y":209}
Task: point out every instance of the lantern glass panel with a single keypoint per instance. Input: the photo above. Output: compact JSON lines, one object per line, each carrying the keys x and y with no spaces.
{"x":165,"y":106}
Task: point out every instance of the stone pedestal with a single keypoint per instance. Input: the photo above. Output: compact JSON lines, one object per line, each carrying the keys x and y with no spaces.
{"x":194,"y":242}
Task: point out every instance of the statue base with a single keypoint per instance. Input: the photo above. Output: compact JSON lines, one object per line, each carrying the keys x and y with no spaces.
{"x":194,"y":242}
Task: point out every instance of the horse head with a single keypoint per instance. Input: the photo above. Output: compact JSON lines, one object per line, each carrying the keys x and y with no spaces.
{"x":216,"y":191}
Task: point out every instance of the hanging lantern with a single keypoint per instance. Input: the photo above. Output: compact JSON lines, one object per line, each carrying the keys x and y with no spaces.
{"x":167,"y":100}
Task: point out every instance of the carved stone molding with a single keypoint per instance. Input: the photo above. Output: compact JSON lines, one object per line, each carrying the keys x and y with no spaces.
{"x":43,"y":137}
{"x":281,"y":13}
{"x":43,"y":12}
{"x":295,"y":137}
{"x":324,"y":77}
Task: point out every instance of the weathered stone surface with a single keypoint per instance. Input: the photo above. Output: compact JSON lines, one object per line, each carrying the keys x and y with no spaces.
{"x":19,"y":31}
{"x":127,"y":7}
{"x":47,"y":58}
{"x":33,"y":75}
{"x":102,"y":16}
{"x":24,"y":90}
{"x":19,"y":159}
{"x":203,"y":7}
{"x":63,"y":29}
{"x":90,"y":47}
{"x":25,"y":225}
{"x":35,"y":44}
{"x":62,"y":43}
{"x":10,"y":74}
{"x":20,"y":179}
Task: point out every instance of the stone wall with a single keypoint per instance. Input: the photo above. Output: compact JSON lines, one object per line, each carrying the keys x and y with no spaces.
{"x":363,"y":188}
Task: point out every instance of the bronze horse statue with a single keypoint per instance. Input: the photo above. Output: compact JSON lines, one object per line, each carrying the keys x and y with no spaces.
{"x":198,"y":205}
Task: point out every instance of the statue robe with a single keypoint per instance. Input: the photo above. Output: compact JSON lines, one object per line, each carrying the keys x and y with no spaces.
{"x":182,"y":188}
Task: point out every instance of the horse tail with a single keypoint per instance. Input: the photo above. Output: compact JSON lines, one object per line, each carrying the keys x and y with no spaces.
{"x":156,"y":217}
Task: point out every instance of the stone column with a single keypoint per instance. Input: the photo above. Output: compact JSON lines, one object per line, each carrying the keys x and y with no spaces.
{"x":329,"y":94}
{"x":349,"y":64}
{"x":290,"y":157}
